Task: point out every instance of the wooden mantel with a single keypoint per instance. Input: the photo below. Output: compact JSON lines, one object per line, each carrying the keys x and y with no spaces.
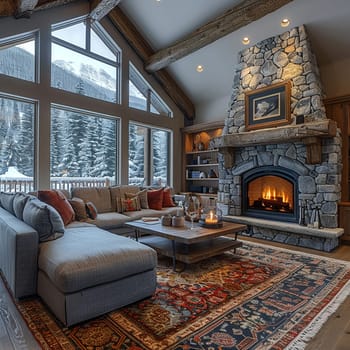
{"x":308,"y":133}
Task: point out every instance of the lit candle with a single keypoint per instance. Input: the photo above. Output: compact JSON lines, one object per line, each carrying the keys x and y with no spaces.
{"x":211,"y":218}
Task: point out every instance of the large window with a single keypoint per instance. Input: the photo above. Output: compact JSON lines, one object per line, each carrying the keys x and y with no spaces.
{"x":142,"y":95}
{"x":17,"y":57}
{"x":16,"y":142}
{"x":61,"y":110}
{"x":83,"y":145}
{"x":84,"y":60}
{"x":149,"y":155}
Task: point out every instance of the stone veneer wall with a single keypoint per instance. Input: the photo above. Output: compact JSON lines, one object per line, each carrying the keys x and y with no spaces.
{"x":284,"y":57}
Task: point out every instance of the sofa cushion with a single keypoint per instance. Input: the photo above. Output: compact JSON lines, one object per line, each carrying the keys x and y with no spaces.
{"x":86,"y":257}
{"x":155,"y":199}
{"x":58,"y":200}
{"x":137,"y":215}
{"x":111,"y":220}
{"x":44,"y":219}
{"x":167,"y":198}
{"x":19,"y":201}
{"x":100,"y":196}
{"x":79,"y":208}
{"x":6,"y":200}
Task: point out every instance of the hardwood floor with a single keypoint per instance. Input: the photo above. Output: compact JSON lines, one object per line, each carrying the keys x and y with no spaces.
{"x":14,"y":333}
{"x":334,"y":335}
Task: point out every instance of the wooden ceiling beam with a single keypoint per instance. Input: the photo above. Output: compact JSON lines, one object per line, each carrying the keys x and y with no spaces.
{"x":144,"y":50}
{"x":100,"y":8}
{"x":24,"y":8}
{"x":241,"y":15}
{"x":45,"y":5}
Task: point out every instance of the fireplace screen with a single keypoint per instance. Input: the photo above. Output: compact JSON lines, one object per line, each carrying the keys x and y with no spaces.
{"x":271,"y":193}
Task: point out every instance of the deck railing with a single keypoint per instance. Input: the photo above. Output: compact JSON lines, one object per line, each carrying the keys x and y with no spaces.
{"x":23,"y":184}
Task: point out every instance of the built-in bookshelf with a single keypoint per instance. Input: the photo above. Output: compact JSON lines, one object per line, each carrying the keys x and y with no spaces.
{"x":201,"y":168}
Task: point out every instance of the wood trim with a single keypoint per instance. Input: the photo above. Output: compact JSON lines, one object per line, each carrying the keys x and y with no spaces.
{"x":203,"y":127}
{"x":241,"y":15}
{"x":335,"y":100}
{"x":144,"y":50}
{"x":51,"y":4}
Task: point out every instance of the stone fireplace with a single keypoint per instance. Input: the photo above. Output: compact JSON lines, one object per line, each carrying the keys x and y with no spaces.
{"x":266,"y":174}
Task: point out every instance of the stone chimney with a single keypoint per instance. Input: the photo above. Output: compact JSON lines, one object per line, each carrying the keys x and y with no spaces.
{"x":286,"y":57}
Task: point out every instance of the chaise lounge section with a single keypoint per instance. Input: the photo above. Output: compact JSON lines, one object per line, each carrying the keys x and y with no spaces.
{"x":79,"y":270}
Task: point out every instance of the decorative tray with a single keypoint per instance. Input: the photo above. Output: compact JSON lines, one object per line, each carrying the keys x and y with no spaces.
{"x":202,"y":223}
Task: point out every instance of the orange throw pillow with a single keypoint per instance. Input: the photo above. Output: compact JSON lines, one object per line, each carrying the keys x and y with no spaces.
{"x":58,"y":200}
{"x":155,"y":199}
{"x":167,"y":198}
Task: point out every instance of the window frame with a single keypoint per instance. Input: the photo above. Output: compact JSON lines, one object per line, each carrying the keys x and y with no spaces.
{"x":22,"y":38}
{"x":89,"y":113}
{"x":104,"y":36}
{"x":152,"y":98}
{"x":149,"y":154}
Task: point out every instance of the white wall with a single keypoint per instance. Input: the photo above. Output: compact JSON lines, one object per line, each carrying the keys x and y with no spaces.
{"x":213,"y":110}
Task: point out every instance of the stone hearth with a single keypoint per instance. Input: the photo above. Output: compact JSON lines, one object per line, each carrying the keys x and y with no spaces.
{"x":312,"y":149}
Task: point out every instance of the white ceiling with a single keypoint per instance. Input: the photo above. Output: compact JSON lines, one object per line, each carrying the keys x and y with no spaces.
{"x":162,"y":23}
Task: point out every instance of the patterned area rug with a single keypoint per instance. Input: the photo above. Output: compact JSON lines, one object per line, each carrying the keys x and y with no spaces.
{"x":259,"y":298}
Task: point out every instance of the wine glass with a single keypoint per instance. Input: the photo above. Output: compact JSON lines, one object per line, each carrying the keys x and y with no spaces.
{"x":191,"y":209}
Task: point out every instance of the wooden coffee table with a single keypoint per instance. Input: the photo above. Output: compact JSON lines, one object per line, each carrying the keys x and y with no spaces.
{"x":186,"y":245}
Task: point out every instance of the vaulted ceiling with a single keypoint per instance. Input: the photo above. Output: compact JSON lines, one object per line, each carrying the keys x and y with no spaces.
{"x":177,"y":35}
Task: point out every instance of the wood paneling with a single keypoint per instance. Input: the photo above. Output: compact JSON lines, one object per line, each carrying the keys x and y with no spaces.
{"x":338,"y":109}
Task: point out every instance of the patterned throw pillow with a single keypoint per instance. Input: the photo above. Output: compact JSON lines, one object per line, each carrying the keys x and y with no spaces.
{"x":130,"y":204}
{"x":91,"y":210}
{"x":167,"y":198}
{"x":58,"y":200}
{"x":79,"y":208}
{"x":155,"y":199}
{"x":142,"y":196}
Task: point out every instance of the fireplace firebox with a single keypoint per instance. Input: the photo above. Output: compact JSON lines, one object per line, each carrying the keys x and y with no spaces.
{"x":270,"y":192}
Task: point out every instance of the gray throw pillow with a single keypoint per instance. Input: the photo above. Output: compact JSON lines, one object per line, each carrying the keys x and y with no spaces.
{"x":19,"y":201}
{"x":44,"y":219}
{"x":7,"y":201}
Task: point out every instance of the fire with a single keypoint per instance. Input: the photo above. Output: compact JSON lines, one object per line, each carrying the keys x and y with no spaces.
{"x":273,"y":193}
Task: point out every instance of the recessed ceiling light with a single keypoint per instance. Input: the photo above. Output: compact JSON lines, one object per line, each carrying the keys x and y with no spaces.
{"x":285,"y":22}
{"x":245,"y":40}
{"x":199,"y":68}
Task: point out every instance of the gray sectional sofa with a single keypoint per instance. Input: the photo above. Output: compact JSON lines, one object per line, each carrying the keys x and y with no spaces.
{"x":80,"y":270}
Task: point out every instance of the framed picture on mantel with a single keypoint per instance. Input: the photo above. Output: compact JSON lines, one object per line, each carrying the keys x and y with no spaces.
{"x":268,"y":106}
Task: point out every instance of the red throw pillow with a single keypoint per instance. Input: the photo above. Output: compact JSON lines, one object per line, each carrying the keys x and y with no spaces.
{"x":155,"y":199}
{"x":58,"y":200}
{"x":167,"y":198}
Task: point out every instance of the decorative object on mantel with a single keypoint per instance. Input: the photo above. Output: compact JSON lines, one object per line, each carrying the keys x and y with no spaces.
{"x":268,"y":106}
